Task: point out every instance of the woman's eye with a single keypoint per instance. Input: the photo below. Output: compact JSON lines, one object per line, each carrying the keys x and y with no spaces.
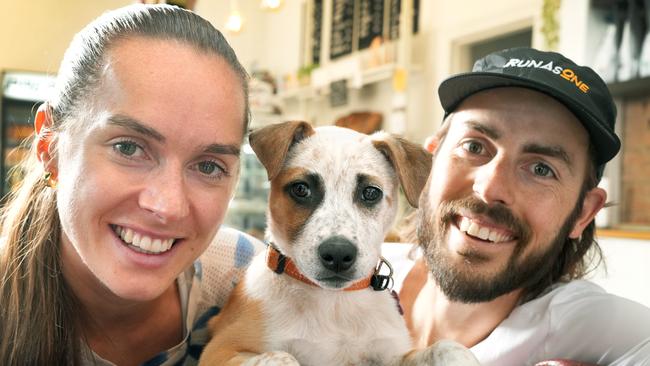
{"x":208,"y":167}
{"x":211,"y":168}
{"x":543,"y":170}
{"x":300,"y":190}
{"x":371,"y":194}
{"x":127,"y":148}
{"x":473,"y":147}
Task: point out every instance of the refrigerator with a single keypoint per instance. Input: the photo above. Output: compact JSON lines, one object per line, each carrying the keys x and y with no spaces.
{"x":22,"y":92}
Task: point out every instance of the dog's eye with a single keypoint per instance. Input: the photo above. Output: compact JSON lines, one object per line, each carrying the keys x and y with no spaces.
{"x":371,"y":194}
{"x":300,"y":190}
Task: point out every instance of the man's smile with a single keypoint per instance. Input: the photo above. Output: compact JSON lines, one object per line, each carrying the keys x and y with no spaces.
{"x":475,"y":229}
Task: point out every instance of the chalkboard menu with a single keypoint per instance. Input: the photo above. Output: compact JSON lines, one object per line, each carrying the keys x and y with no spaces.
{"x":395,"y":7}
{"x":317,"y":21}
{"x":342,"y":24}
{"x":371,"y":21}
{"x":338,"y":93}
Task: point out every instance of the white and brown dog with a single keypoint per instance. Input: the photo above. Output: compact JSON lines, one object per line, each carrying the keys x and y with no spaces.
{"x":316,"y":296}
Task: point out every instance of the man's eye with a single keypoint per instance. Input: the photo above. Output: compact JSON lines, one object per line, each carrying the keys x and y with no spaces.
{"x":126,"y":148}
{"x":473,"y":147}
{"x":543,"y":170}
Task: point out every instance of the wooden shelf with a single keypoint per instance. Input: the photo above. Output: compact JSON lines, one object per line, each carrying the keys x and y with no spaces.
{"x":632,"y":88}
{"x":622,"y":233}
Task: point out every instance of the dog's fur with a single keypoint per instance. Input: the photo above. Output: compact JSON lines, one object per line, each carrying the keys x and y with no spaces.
{"x":274,"y":319}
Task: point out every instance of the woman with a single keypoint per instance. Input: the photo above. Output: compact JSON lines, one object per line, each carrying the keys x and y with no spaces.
{"x":133,"y":165}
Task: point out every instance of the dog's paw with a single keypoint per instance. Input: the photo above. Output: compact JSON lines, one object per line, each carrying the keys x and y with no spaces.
{"x":443,"y":353}
{"x":277,"y":358}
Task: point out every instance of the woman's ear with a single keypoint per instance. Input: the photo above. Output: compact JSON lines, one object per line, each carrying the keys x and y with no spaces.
{"x":44,"y":139}
{"x":594,"y":201}
{"x":431,"y":143}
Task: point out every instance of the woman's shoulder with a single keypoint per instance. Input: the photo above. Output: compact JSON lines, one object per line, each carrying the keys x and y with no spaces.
{"x":231,"y":248}
{"x":217,"y":271}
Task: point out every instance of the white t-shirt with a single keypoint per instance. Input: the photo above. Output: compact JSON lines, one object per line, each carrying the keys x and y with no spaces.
{"x":577,"y":321}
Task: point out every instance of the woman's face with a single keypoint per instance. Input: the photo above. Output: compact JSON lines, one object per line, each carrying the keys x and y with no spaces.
{"x":146,"y":174}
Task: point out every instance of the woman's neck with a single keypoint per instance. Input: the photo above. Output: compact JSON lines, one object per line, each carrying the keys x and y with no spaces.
{"x":120,"y":330}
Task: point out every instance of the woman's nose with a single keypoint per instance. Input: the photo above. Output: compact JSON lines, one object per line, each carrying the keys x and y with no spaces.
{"x":165,"y":194}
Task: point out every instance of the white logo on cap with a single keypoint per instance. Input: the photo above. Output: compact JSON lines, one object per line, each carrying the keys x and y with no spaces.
{"x":566,"y":74}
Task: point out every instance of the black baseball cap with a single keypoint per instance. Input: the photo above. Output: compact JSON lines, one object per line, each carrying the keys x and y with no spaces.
{"x":579,"y":88}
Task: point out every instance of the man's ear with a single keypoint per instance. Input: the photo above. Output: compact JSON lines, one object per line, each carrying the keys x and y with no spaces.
{"x":431,"y":143}
{"x":594,"y":200}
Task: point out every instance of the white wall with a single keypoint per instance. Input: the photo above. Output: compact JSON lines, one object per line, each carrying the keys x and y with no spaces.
{"x":627,"y":271}
{"x":34,"y":34}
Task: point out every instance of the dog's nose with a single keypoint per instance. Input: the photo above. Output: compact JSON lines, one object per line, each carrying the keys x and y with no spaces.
{"x":337,"y":254}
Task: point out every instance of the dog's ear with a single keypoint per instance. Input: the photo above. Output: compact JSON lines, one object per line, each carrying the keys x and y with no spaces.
{"x":272,"y":143}
{"x":411,"y":162}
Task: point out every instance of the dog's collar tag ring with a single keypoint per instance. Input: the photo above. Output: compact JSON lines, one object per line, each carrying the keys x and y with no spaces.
{"x":381,"y":282}
{"x":282,"y":262}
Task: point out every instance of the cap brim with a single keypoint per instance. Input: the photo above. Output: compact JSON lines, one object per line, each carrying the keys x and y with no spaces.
{"x":455,"y":89}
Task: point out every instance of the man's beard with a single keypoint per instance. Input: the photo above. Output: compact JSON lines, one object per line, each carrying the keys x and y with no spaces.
{"x":462,"y":282}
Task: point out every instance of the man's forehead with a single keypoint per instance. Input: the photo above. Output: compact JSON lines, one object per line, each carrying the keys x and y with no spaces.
{"x":511,"y":108}
{"x":521,"y":130}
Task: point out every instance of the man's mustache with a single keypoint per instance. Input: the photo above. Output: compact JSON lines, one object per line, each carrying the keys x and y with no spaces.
{"x":497,"y":213}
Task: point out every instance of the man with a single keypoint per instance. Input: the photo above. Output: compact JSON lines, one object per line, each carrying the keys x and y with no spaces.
{"x":506,"y":221}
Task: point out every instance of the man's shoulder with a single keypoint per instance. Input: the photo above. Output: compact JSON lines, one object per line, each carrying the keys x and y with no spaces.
{"x":583,"y":310}
{"x":587,"y":296}
{"x":576,"y":320}
{"x":584,"y":300}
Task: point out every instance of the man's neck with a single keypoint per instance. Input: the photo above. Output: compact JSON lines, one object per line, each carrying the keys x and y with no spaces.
{"x":431,"y":316}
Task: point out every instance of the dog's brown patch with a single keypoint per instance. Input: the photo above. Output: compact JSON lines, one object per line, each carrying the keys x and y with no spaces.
{"x":237,"y":332}
{"x":411,"y":161}
{"x":272,"y":143}
{"x":288,"y":216}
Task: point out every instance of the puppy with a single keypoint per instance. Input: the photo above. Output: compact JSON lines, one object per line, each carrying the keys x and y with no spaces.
{"x":317,"y":297}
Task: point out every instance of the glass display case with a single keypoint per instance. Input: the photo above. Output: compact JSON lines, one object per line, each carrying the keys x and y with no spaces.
{"x":22,"y":92}
{"x":247,"y":210}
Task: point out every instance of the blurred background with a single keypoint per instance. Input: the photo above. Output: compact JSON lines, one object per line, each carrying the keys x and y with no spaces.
{"x":376,"y":64}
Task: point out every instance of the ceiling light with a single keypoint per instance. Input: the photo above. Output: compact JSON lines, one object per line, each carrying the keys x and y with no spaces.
{"x":235,"y":22}
{"x":271,"y":4}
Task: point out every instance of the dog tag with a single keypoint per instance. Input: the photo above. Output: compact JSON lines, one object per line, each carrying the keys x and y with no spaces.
{"x":380,"y":282}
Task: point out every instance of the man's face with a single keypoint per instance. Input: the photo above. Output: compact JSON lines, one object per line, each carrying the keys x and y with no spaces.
{"x":503,"y":193}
